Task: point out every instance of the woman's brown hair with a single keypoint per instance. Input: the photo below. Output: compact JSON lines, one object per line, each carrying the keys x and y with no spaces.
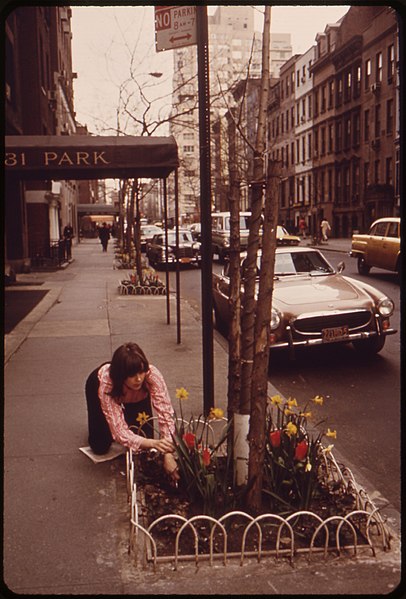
{"x":127,"y":360}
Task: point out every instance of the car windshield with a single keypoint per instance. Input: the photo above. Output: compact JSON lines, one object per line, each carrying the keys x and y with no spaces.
{"x":295,"y":263}
{"x":244,"y":222}
{"x":183,"y":236}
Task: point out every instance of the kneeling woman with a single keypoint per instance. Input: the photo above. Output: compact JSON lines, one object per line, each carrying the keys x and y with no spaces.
{"x":117,"y":392}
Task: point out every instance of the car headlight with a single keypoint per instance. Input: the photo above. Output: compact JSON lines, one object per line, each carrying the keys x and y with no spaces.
{"x":225,"y":242}
{"x":275,"y":319}
{"x":386,"y":307}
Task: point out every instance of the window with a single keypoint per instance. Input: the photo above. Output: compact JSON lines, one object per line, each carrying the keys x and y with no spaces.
{"x":355,"y":182}
{"x":393,"y":230}
{"x":331,"y":94}
{"x":391,"y":63}
{"x":388,"y":171}
{"x":309,"y":106}
{"x":356,"y":130}
{"x":297,"y":78}
{"x":380,"y":229}
{"x":292,"y":117}
{"x":316,"y":102}
{"x":366,"y":125}
{"x":303,"y":149}
{"x":323,"y":140}
{"x":389,"y":116}
{"x":368,"y":70}
{"x":190,"y":149}
{"x":339,"y":91}
{"x":292,"y":153}
{"x":309,"y":145}
{"x":358,"y":77}
{"x":378,"y":72}
{"x":366,"y":174}
{"x":378,"y":120}
{"x":316,"y":142}
{"x":323,"y":99}
{"x":347,"y":132}
{"x":338,"y":136}
{"x":347,"y":86}
{"x":330,"y":138}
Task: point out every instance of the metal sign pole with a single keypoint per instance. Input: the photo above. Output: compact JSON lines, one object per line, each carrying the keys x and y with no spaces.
{"x":205,"y":206}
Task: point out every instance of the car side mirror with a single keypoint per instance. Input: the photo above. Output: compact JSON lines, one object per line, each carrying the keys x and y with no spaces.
{"x":340,"y":267}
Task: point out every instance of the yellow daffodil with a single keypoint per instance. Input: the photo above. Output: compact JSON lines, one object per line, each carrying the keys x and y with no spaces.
{"x":328,"y":449}
{"x":182,"y":394}
{"x":216,"y":414}
{"x":142,"y":418}
{"x":305,"y":414}
{"x":276,"y":400}
{"x":292,"y":402}
{"x":318,"y":399}
{"x":291,"y":429}
{"x":308,"y":467}
{"x":288,"y":411}
{"x":332,"y":434}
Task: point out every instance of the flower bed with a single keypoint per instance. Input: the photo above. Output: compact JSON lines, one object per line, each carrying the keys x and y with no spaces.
{"x":150,"y":284}
{"x":167,"y":526}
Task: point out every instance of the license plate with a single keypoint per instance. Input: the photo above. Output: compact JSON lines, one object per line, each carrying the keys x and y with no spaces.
{"x":335,"y":334}
{"x":185,"y":260}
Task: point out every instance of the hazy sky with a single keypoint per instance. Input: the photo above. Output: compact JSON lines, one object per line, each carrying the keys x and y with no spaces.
{"x":112,"y":41}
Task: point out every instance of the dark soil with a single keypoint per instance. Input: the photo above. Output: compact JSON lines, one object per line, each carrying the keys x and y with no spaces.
{"x":158,"y":497}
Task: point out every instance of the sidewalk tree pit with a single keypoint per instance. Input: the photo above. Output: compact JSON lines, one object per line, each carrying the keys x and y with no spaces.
{"x":309,"y":502}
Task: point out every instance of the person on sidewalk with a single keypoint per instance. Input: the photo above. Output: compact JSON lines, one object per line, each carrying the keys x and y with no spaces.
{"x":302,"y":227}
{"x":67,"y":237}
{"x":325,"y":228}
{"x":119,"y":392}
{"x":104,"y":235}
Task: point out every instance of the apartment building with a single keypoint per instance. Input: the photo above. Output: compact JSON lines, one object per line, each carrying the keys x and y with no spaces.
{"x":346,"y":125}
{"x":234,"y":54}
{"x":39,"y":101}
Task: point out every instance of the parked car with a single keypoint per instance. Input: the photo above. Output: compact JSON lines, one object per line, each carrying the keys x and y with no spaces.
{"x":189,"y":250}
{"x":147,"y":233}
{"x":220,"y":233}
{"x":313,"y":304}
{"x":284,"y":238}
{"x":380,"y":247}
{"x":196,"y":229}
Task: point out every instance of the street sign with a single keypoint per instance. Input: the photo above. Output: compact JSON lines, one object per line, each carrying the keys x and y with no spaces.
{"x":175,"y":27}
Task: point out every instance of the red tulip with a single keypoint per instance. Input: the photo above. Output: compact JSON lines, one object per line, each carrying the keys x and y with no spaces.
{"x":275,"y":438}
{"x":206,"y":456}
{"x":301,"y":451}
{"x":189,"y":439}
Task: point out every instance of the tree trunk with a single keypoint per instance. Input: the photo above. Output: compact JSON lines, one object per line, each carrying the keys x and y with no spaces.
{"x":259,"y":391}
{"x":234,"y":333}
{"x":137,"y":232}
{"x":249,"y":275}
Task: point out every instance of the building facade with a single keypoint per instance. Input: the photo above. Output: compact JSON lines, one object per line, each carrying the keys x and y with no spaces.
{"x":39,"y":101}
{"x":345,"y":164}
{"x":235,"y":51}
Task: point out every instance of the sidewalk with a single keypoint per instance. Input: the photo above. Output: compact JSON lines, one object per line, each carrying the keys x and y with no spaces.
{"x":66,"y":520}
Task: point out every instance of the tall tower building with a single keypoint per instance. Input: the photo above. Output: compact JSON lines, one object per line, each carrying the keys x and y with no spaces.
{"x":235,"y":50}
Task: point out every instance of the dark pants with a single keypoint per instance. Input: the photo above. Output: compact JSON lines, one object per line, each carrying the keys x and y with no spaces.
{"x":100,"y":437}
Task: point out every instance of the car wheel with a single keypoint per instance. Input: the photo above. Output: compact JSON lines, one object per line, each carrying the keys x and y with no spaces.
{"x":363,"y":267}
{"x":370,"y":346}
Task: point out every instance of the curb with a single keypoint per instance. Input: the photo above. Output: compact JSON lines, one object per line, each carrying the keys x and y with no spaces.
{"x":13,"y":340}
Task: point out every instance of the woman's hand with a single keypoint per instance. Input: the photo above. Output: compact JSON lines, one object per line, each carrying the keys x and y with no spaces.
{"x":171,"y":467}
{"x":162,"y":445}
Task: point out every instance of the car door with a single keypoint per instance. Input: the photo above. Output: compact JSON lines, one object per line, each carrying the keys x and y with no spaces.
{"x":390,"y":246}
{"x":375,"y":251}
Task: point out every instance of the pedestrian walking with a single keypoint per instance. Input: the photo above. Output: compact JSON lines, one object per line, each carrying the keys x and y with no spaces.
{"x":302,"y":227}
{"x":67,"y":238}
{"x":325,"y":229}
{"x":104,"y":235}
{"x":123,"y":393}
